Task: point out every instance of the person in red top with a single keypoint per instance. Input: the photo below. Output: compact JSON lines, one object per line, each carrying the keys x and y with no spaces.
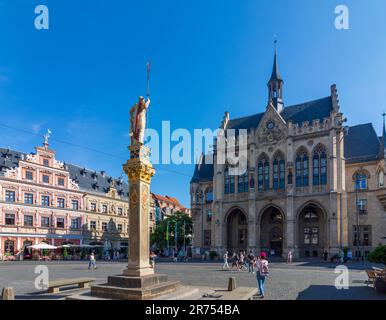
{"x":262,"y":272}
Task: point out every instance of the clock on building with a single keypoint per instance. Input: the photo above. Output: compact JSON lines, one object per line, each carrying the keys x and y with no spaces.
{"x":270,"y":125}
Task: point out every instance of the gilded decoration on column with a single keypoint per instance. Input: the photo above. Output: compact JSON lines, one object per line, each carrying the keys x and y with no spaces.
{"x":133,"y":197}
{"x":145,"y":199}
{"x":136,"y":170}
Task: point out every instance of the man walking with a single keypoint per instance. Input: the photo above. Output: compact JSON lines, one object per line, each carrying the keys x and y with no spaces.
{"x":251,"y":259}
{"x":92,"y":262}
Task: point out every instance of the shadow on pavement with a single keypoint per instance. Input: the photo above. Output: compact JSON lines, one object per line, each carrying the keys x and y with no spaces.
{"x":361,"y":265}
{"x":320,"y":292}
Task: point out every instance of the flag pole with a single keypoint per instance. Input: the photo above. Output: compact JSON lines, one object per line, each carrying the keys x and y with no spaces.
{"x":167,"y":235}
{"x":148,"y":67}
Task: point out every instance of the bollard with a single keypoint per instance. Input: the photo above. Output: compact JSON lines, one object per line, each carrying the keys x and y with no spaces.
{"x":232,"y":284}
{"x":8,"y":294}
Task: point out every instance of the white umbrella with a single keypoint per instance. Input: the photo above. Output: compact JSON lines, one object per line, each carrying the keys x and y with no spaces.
{"x":42,"y":246}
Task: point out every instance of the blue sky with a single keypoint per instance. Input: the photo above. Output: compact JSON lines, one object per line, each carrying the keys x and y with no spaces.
{"x":80,"y":77}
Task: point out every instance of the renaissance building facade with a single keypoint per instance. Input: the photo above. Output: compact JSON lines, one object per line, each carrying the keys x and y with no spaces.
{"x":312,"y":183}
{"x":45,"y":200}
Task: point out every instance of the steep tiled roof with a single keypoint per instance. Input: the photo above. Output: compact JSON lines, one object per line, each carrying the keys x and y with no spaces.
{"x":168,"y":199}
{"x":361,"y":144}
{"x":9,"y":159}
{"x":203,"y":172}
{"x":95,"y":182}
{"x":308,"y":111}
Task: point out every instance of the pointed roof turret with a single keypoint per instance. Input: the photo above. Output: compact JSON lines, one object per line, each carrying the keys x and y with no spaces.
{"x":275,"y":86}
{"x":275,"y":71}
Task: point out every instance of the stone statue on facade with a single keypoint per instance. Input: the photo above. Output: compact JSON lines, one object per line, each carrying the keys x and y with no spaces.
{"x":138,"y":120}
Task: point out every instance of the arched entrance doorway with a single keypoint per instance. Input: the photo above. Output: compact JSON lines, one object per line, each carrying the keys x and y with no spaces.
{"x":27,"y":252}
{"x":271,"y":231}
{"x":237,"y":230}
{"x":311,"y":232}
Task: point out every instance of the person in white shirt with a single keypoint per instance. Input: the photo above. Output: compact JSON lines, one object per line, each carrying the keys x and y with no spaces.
{"x":289,"y":257}
{"x":226,"y":265}
{"x":92,"y":262}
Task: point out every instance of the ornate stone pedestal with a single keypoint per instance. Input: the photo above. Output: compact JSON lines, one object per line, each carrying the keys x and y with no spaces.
{"x":138,"y":281}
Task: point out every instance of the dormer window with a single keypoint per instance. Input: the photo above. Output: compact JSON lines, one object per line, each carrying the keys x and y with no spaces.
{"x":46,"y":162}
{"x":83,"y":172}
{"x":29,"y":175}
{"x":61,"y":182}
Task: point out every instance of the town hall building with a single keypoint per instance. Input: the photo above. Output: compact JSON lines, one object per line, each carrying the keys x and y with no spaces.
{"x":312,"y":183}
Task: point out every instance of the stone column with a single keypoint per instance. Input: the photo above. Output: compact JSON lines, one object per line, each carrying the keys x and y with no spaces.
{"x":290,"y":229}
{"x":139,"y":171}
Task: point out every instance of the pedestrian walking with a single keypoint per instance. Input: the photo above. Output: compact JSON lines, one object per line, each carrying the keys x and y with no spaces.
{"x":241,"y":265}
{"x":289,"y":257}
{"x":152,"y":259}
{"x":262,"y":272}
{"x":251,"y":258}
{"x":325,"y":255}
{"x":349,"y":256}
{"x":236,"y":263}
{"x":92,"y":262}
{"x":226,"y":265}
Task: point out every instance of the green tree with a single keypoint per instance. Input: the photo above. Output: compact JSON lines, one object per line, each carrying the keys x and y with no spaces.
{"x":167,"y":226}
{"x":378,"y":255}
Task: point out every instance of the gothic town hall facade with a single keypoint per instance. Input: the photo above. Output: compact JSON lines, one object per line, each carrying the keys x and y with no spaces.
{"x":312,"y":183}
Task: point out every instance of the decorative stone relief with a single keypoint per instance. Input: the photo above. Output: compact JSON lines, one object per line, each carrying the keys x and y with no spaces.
{"x":73,"y":185}
{"x":13,"y":173}
{"x":32,"y":158}
{"x":58,"y":164}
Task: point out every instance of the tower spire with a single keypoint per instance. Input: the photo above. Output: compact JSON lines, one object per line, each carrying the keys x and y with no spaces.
{"x":384,"y":136}
{"x":275,"y":84}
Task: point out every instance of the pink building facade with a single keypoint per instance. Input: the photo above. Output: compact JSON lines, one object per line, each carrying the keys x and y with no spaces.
{"x":39,"y":202}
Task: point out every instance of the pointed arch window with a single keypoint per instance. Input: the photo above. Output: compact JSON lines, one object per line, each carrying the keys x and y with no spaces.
{"x":302,"y":168}
{"x":360,"y":180}
{"x":242,"y":184}
{"x":229,"y":182}
{"x":319,"y":163}
{"x":263,"y":174}
{"x":278,"y":172}
{"x":381,"y":179}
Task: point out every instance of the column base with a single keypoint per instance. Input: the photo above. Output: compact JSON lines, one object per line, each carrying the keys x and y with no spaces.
{"x":138,"y":272}
{"x":123,"y":287}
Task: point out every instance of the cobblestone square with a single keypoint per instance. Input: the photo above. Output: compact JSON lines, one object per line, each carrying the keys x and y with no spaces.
{"x":299,"y":281}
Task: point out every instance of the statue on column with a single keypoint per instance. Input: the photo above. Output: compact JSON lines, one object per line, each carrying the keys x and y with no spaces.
{"x":138,"y":120}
